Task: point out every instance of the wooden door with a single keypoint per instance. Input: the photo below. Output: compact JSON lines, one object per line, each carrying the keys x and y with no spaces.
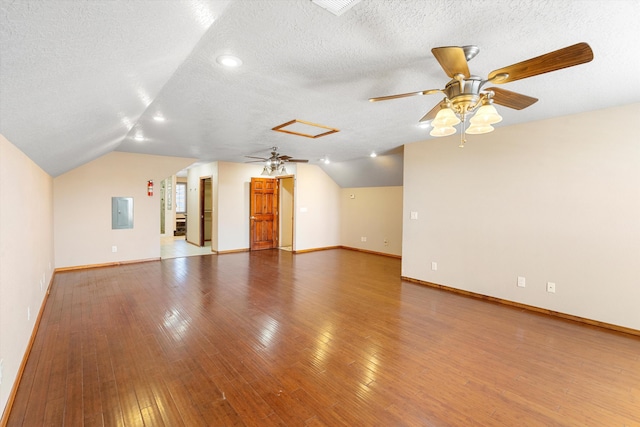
{"x":263,"y":213}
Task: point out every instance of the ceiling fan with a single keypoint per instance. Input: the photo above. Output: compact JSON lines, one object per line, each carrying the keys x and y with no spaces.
{"x":466,"y":97}
{"x":275,"y":164}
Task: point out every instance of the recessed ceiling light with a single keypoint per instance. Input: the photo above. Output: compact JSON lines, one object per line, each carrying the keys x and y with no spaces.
{"x":229,"y":61}
{"x":158,"y":118}
{"x":373,"y":154}
{"x":139,"y":137}
{"x":326,"y":161}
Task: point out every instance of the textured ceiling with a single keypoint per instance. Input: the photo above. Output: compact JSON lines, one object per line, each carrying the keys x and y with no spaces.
{"x":81,"y":78}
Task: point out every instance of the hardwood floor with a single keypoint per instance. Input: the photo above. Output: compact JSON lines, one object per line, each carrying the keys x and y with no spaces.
{"x":326,"y":338}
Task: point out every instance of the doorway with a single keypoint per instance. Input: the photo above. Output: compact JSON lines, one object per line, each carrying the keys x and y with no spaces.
{"x":285,"y":213}
{"x":263,"y":214}
{"x":206,"y":210}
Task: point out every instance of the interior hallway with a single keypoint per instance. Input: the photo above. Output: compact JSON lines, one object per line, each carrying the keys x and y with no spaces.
{"x":177,"y":246}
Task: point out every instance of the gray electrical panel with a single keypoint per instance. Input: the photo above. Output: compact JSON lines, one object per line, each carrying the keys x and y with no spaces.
{"x":121,"y":212}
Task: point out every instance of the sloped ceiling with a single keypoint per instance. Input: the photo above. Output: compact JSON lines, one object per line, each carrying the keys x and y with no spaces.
{"x":81,"y":78}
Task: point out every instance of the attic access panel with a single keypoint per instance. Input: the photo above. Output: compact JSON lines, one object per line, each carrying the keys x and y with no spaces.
{"x":306,"y":129}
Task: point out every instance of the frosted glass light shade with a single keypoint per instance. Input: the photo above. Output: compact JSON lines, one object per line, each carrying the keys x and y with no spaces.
{"x":265,"y":171}
{"x":486,"y":114}
{"x":477,"y":129}
{"x":445,"y":118}
{"x":443,"y":131}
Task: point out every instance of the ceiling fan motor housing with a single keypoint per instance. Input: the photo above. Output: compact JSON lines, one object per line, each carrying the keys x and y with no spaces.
{"x":464,"y":94}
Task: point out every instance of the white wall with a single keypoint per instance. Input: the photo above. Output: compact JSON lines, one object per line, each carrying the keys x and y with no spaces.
{"x":26,"y":255}
{"x":374,"y":213}
{"x":82,"y":209}
{"x":556,"y":200}
{"x":317,"y":209}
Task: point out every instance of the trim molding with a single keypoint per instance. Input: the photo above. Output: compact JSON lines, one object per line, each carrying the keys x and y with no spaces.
{"x":107,"y":264}
{"x":232,"y":251}
{"x":326,"y":248}
{"x":4,"y":420}
{"x":372,"y":252}
{"x":349,"y":248}
{"x":566,"y":316}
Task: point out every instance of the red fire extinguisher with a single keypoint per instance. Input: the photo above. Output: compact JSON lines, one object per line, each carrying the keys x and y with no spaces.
{"x":150,"y":188}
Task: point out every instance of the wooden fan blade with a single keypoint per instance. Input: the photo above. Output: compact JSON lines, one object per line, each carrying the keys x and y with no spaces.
{"x":514,"y":100}
{"x":404,"y":95}
{"x":431,"y":114}
{"x":297,"y":161}
{"x":452,"y":59}
{"x":254,"y":157}
{"x":562,"y":58}
{"x":254,"y":161}
{"x":285,"y":158}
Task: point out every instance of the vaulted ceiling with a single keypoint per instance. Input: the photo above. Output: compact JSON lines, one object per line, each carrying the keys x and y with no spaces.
{"x":81,"y":78}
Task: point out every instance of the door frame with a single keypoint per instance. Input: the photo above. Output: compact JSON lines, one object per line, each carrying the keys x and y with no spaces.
{"x":203,"y":180}
{"x":293,"y":210}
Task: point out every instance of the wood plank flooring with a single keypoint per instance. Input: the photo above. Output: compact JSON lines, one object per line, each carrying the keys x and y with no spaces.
{"x":326,"y":338}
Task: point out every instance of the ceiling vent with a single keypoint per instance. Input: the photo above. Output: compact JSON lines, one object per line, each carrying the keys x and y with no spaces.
{"x":337,"y":7}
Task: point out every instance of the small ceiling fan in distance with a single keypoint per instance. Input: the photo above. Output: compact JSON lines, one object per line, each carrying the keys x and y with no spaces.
{"x":465,"y":96}
{"x":275,"y":164}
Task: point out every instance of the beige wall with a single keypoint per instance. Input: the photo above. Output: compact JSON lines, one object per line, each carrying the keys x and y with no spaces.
{"x":233,"y":204}
{"x":26,"y":255}
{"x":82,"y":209}
{"x":556,"y":200}
{"x":317,"y":209}
{"x":373,"y":213}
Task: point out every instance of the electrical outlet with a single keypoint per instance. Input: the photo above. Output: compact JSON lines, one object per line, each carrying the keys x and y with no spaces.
{"x":521,"y":282}
{"x":114,"y":249}
{"x":28,"y":313}
{"x":414,"y":215}
{"x":551,"y":287}
{"x":363,"y":239}
{"x":434,"y":266}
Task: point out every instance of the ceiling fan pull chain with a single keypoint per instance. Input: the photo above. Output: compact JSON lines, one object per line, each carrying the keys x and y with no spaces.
{"x":463,"y":134}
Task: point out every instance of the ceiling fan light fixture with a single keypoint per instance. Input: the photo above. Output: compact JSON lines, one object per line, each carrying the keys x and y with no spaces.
{"x":486,"y":114}
{"x":478,"y":129}
{"x":442,"y":131}
{"x":265,"y":170}
{"x":445,"y":118}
